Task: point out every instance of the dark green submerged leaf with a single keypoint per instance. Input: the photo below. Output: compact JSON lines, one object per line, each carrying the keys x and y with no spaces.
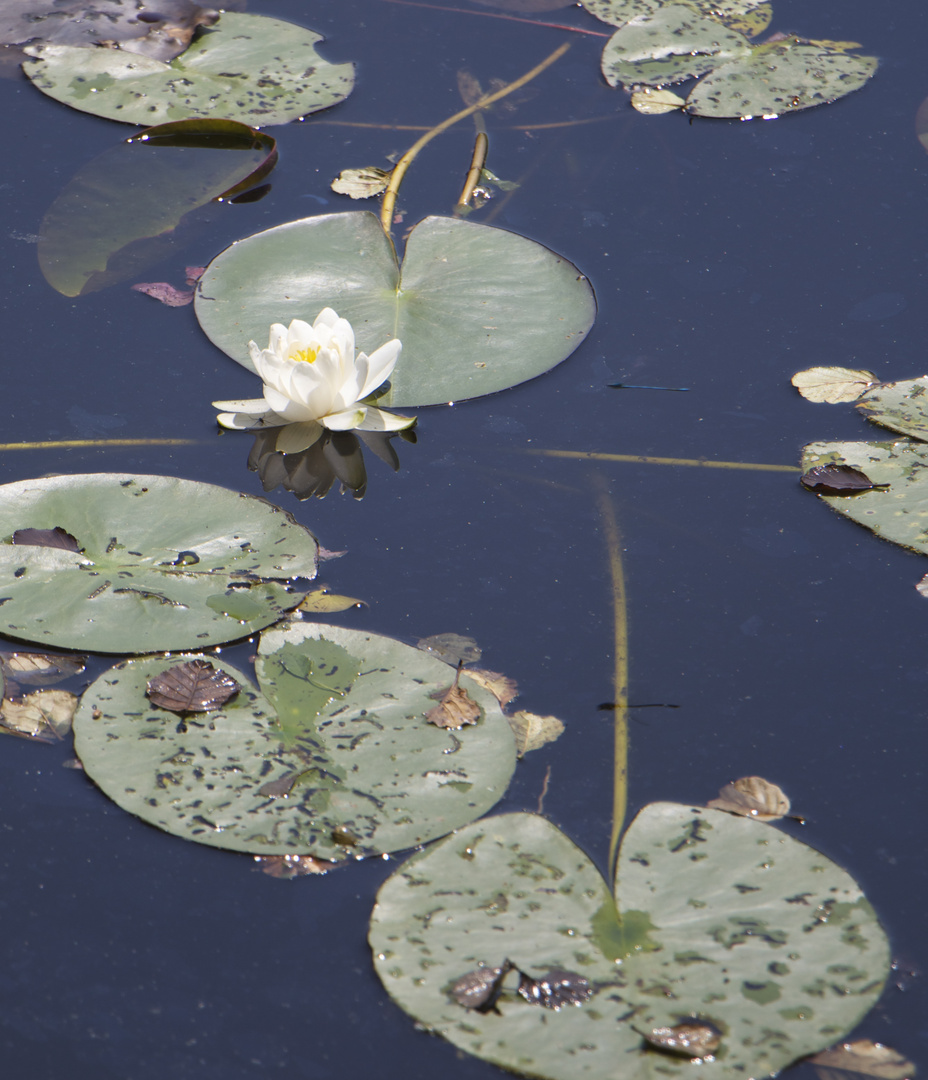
{"x":162,"y":563}
{"x":477,"y":309}
{"x":724,"y":918}
{"x":121,"y":212}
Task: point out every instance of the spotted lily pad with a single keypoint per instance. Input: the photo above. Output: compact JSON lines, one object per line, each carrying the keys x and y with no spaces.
{"x":676,"y":43}
{"x":619,"y":12}
{"x":477,"y":309}
{"x":780,"y":77}
{"x":723,"y":918}
{"x":897,"y":507}
{"x":331,"y":757}
{"x":900,"y":406}
{"x":250,"y":68}
{"x":161,"y":563}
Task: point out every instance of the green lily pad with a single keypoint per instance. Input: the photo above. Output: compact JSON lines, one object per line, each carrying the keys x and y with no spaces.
{"x":899,"y":513}
{"x":332,"y":757}
{"x":476,"y":308}
{"x":780,"y":77}
{"x":723,"y":918}
{"x":162,"y":563}
{"x":120,"y":212}
{"x":250,"y":68}
{"x":900,"y":406}
{"x":676,"y":43}
{"x":619,"y":12}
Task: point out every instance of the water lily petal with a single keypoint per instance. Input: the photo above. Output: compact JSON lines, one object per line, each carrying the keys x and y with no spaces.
{"x":381,"y":420}
{"x":292,"y":411}
{"x":345,"y":421}
{"x":295,"y":438}
{"x":255,"y":406}
{"x":237,"y":421}
{"x":380,"y":365}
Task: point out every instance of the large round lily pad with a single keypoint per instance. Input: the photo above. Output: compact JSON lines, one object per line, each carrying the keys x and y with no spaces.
{"x":154,"y":562}
{"x":723,"y":918}
{"x":620,"y":12}
{"x":249,"y":68}
{"x":332,"y":757}
{"x":477,"y":309}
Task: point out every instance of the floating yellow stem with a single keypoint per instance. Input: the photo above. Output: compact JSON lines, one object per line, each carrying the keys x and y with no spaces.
{"x":644,"y":459}
{"x":399,"y":170}
{"x":68,"y":444}
{"x":620,"y":671}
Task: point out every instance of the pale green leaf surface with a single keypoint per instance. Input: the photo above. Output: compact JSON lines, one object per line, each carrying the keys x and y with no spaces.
{"x":899,"y":514}
{"x":900,"y":406}
{"x":777,"y":78}
{"x":477,"y":309}
{"x":674,"y":44}
{"x":332,"y":757}
{"x":619,"y":12}
{"x":250,"y":68}
{"x":166,"y":563}
{"x":723,"y":918}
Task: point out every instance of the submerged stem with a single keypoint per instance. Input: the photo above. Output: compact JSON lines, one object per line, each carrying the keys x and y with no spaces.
{"x":477,"y":162}
{"x":399,"y":171}
{"x":620,"y":672}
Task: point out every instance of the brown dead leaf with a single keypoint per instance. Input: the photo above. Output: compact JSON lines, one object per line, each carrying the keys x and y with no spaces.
{"x":321,"y":599}
{"x":455,"y":708}
{"x":500,"y":686}
{"x":289,"y":867}
{"x":44,"y":714}
{"x":165,"y":292}
{"x":752,"y":796}
{"x":192,"y":687}
{"x":833,"y":385}
{"x":863,"y":1057}
{"x":39,"y":669}
{"x":532,"y":731}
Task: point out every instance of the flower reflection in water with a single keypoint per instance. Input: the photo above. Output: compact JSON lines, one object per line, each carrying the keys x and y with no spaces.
{"x":335,"y":456}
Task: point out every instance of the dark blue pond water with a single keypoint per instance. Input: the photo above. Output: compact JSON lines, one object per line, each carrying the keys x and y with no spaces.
{"x":725,"y":257}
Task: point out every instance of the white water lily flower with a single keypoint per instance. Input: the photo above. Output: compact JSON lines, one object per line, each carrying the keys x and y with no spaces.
{"x":313,"y":380}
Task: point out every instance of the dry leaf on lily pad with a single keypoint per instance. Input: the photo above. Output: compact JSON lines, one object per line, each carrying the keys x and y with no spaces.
{"x":752,"y":796}
{"x":455,"y":708}
{"x":44,"y":714}
{"x":321,"y":600}
{"x":39,"y":669}
{"x":52,"y":538}
{"x":500,"y":686}
{"x":533,"y":731}
{"x":165,"y":292}
{"x":837,"y":480}
{"x":454,"y":649}
{"x":654,"y":102}
{"x":361,"y":183}
{"x":690,"y":1038}
{"x":192,"y":687}
{"x":833,"y":385}
{"x":862,"y":1057}
{"x":288,"y":867}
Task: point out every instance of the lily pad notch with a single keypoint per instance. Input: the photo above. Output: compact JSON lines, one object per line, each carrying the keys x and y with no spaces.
{"x":477,"y":309}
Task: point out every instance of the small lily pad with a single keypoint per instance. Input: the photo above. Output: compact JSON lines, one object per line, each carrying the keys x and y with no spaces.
{"x":780,"y":77}
{"x":833,"y":385}
{"x":160,"y":563}
{"x":676,"y":43}
{"x":620,"y":12}
{"x":249,"y":68}
{"x":653,"y":102}
{"x":899,"y":514}
{"x":900,"y":406}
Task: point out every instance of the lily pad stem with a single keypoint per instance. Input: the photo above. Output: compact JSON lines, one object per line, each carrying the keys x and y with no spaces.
{"x":620,"y":672}
{"x":477,"y":162}
{"x":399,"y":171}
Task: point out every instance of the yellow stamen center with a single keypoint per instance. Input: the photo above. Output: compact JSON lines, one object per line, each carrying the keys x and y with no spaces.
{"x":306,"y":356}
